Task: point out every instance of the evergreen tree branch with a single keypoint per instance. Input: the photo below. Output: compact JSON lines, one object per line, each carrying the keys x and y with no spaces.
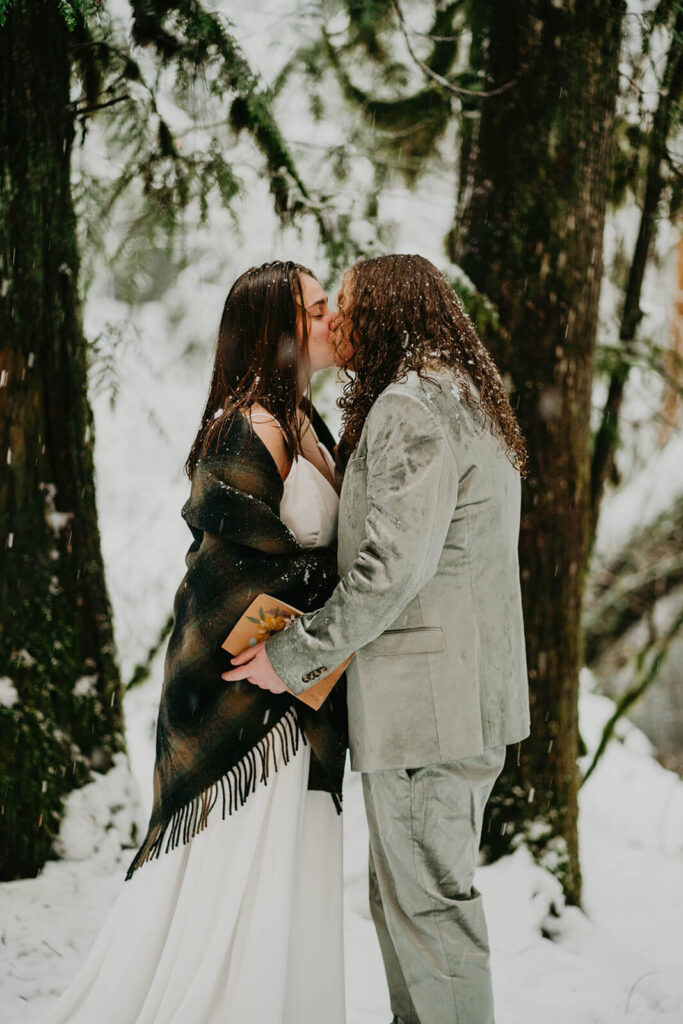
{"x":410,"y":125}
{"x":434,"y":76}
{"x":184,"y":34}
{"x":201,"y":49}
{"x":647,"y":670}
{"x":84,"y":111}
{"x":648,"y":567}
{"x":142,"y":670}
{"x":367,"y":21}
{"x":627,"y":601}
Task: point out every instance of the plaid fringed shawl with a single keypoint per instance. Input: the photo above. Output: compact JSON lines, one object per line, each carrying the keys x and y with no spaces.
{"x":217,"y":741}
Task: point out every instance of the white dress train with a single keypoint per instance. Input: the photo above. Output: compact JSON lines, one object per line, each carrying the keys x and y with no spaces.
{"x":243,"y":924}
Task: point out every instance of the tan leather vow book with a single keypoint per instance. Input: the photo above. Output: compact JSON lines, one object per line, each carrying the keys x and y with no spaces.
{"x":265,"y":616}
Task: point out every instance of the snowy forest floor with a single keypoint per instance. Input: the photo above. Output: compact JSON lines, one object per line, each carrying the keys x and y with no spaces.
{"x":618,"y":960}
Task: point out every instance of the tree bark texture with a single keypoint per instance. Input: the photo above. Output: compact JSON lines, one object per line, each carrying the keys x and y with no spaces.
{"x":671,"y":403}
{"x":60,"y":710}
{"x":529,"y":232}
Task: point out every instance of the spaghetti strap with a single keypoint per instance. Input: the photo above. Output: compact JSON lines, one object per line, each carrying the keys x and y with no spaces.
{"x":258,"y":416}
{"x":263,"y":417}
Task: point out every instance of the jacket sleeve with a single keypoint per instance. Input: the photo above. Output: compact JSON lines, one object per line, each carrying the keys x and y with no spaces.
{"x":412,"y":490}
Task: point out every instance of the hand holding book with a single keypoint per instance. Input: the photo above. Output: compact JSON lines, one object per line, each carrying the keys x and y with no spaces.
{"x":265,"y":616}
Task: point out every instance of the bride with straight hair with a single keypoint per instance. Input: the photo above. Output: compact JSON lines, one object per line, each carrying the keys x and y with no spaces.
{"x":232,"y":908}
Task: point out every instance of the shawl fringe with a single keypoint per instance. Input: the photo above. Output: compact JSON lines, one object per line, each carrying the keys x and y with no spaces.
{"x":233,"y":787}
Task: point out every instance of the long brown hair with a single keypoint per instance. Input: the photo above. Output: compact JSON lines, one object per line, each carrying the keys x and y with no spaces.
{"x":258,"y":356}
{"x":404,"y":315}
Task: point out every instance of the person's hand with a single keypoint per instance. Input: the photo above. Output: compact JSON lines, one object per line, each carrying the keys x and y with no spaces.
{"x":253,"y":664}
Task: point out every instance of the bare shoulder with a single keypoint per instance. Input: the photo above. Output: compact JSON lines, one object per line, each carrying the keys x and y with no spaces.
{"x":268,"y":430}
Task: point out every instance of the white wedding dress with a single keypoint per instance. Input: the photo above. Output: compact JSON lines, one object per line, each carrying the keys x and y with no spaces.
{"x":243,"y":925}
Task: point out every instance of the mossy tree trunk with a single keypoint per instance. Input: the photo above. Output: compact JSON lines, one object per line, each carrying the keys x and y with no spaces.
{"x":529,"y":232}
{"x":60,"y":710}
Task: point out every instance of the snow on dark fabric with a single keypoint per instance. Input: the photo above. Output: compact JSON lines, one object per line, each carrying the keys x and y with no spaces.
{"x":217,"y":741}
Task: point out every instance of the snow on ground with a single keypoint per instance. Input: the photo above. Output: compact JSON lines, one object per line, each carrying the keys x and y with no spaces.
{"x":619,"y":961}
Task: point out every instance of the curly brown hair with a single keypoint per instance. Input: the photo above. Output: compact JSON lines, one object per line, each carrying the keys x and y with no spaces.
{"x":401,"y":314}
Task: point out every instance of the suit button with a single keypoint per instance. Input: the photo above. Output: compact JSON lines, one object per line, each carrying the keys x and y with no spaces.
{"x":313,"y":674}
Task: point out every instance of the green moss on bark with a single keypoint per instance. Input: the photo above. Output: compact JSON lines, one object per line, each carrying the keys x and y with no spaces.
{"x":56,"y":619}
{"x":533,"y":193}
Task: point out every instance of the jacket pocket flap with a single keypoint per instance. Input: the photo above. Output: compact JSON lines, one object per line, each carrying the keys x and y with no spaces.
{"x":423,"y":640}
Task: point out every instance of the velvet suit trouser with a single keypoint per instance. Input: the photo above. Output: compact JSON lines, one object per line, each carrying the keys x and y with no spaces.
{"x":425,"y":828}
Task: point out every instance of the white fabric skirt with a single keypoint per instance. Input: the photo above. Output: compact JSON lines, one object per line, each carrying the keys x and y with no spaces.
{"x":243,"y":925}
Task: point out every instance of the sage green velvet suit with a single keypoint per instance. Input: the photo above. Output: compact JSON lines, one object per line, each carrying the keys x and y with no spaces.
{"x":429,"y":599}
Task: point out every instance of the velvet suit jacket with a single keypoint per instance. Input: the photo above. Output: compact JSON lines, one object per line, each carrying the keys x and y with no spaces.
{"x":429,"y":594}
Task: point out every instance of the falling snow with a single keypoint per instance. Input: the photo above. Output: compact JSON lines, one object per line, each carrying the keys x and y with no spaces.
{"x":86,"y":686}
{"x":8,"y":692}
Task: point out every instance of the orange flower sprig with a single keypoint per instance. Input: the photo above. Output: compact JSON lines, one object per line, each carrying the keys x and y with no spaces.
{"x":274,"y":620}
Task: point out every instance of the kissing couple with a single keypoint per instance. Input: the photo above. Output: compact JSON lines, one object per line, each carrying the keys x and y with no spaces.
{"x":400,"y":548}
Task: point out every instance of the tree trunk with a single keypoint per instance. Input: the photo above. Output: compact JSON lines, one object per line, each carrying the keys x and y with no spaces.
{"x":529,"y":233}
{"x":671,"y":403}
{"x":60,"y":709}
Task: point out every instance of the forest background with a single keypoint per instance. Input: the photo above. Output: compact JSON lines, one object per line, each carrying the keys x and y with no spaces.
{"x":150,"y":153}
